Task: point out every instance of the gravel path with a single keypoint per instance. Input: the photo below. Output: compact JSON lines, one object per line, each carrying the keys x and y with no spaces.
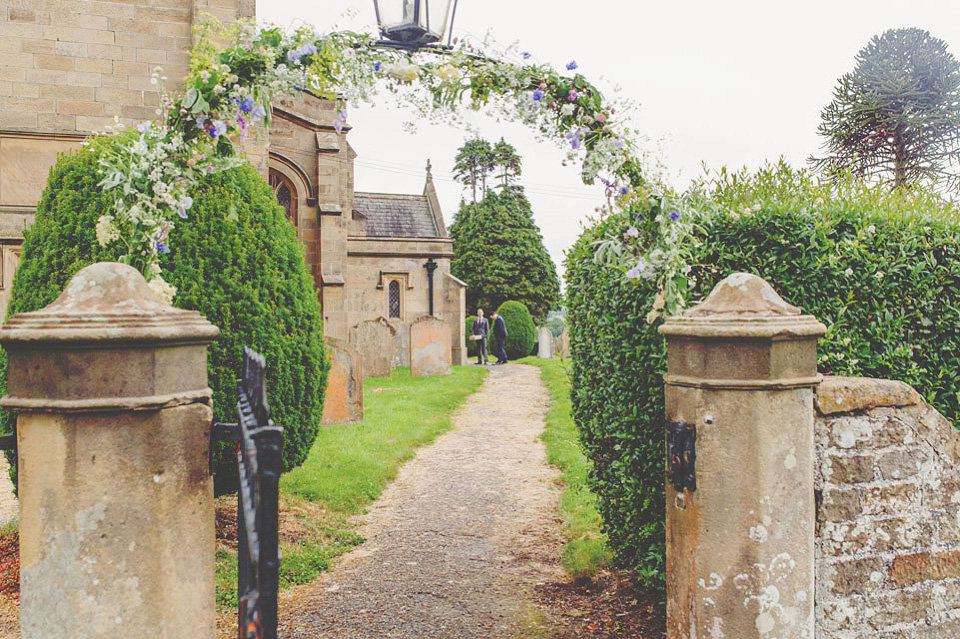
{"x":457,"y":542}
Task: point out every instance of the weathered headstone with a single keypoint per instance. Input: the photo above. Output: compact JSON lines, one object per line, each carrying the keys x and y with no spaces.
{"x":545,"y":343}
{"x":343,"y":401}
{"x":430,"y":347}
{"x":561,"y":344}
{"x":373,"y":341}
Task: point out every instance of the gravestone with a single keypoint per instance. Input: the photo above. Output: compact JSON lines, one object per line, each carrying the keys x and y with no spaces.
{"x":545,"y":343}
{"x":343,"y":401}
{"x":373,"y":341}
{"x":561,"y":344}
{"x":430,"y":347}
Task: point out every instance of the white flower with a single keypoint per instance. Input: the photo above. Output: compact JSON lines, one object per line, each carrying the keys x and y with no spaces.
{"x":848,"y":272}
{"x":403,"y":71}
{"x":567,"y":109}
{"x":205,"y":75}
{"x":218,"y":89}
{"x":107,"y":231}
{"x":163,"y":290}
{"x":447,"y":73}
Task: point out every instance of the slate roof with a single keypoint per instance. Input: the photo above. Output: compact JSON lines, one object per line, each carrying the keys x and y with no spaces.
{"x":390,"y":215}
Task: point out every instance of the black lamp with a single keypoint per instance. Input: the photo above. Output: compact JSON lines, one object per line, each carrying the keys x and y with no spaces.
{"x":412,"y":24}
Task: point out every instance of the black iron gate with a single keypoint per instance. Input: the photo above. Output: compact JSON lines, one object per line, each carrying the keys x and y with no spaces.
{"x":259,"y":462}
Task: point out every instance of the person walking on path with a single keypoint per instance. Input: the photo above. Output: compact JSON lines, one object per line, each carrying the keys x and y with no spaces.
{"x":500,"y":332}
{"x":481,"y":328}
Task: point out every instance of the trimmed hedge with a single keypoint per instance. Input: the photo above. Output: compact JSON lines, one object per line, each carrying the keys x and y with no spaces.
{"x":468,"y":329}
{"x":236,"y":259}
{"x":880,"y":270}
{"x":521,"y":331}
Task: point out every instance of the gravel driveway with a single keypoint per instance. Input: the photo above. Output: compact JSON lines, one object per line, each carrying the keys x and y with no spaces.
{"x":457,"y":542}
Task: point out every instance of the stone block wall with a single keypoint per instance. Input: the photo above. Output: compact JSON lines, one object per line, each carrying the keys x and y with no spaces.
{"x":888,"y":534}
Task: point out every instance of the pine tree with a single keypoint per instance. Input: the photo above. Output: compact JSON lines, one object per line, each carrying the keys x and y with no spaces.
{"x":507,"y":161}
{"x":896,"y":117}
{"x":473,"y":164}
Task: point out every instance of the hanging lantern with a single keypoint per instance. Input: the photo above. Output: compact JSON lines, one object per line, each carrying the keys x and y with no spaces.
{"x":411,"y":24}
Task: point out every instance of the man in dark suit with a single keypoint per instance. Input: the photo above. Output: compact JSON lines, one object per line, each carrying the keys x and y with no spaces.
{"x":481,"y":328}
{"x":500,"y":332}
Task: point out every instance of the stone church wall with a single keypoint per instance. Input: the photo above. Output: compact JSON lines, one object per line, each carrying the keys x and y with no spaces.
{"x":888,"y":539}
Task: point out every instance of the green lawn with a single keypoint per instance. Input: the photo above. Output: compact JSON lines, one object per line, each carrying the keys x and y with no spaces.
{"x":586,"y":549}
{"x":349,"y":466}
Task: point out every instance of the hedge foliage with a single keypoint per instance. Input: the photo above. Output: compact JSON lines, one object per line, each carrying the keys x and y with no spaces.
{"x":521,"y":331}
{"x":468,"y":327}
{"x":881,"y":270}
{"x":236,"y":259}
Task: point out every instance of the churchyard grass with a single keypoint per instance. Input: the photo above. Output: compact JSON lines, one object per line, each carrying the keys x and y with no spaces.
{"x":585,"y":551}
{"x":348,"y":467}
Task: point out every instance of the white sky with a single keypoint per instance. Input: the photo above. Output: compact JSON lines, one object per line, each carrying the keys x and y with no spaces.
{"x":730,"y":83}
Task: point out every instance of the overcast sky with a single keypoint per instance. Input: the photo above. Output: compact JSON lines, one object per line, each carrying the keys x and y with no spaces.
{"x":730,"y":83}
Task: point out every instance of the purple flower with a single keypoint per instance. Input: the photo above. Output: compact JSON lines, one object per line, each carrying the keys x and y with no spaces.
{"x":525,"y":55}
{"x":258,"y":112}
{"x":574,"y":139}
{"x":293,"y":55}
{"x":632,"y":232}
{"x":200,"y":120}
{"x":162,"y":248}
{"x":338,"y":125}
{"x":673,"y":215}
{"x":571,"y":65}
{"x":144,"y":126}
{"x":572,"y":95}
{"x":377,"y":65}
{"x":623,"y":190}
{"x":634,"y":273}
{"x":537,"y":95}
{"x":247,"y":105}
{"x":219,"y":128}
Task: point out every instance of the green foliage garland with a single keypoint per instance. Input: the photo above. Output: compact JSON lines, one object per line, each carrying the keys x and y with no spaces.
{"x":880,"y":270}
{"x":238,"y":261}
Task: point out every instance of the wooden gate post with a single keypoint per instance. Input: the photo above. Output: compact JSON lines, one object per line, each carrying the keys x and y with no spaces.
{"x":116,"y":500}
{"x":740,"y":504}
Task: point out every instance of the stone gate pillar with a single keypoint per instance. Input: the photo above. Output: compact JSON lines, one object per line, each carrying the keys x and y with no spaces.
{"x":740,"y":504}
{"x":116,"y":501}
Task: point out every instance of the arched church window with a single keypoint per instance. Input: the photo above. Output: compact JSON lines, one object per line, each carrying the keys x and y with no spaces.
{"x":394,"y":290}
{"x":285,"y":193}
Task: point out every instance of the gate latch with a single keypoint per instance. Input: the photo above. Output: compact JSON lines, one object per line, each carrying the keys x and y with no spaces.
{"x":682,"y":455}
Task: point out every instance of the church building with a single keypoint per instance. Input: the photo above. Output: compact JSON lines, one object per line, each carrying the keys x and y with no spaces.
{"x":70,"y":67}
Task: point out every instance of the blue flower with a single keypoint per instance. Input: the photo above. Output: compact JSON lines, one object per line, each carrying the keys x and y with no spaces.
{"x":525,"y":54}
{"x":634,"y":273}
{"x":673,"y":215}
{"x":293,"y":55}
{"x":571,"y":65}
{"x":258,"y":112}
{"x":219,"y":128}
{"x":537,"y":95}
{"x":162,"y":248}
{"x":247,"y":105}
{"x":144,"y":126}
{"x":377,"y":65}
{"x":623,"y":190}
{"x":201,"y":120}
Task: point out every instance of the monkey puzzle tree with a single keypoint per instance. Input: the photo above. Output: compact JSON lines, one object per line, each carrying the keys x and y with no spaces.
{"x":896,"y":116}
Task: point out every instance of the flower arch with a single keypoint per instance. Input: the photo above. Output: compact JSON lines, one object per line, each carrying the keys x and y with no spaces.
{"x":230,"y":88}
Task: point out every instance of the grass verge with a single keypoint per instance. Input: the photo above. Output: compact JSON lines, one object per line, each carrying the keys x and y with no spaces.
{"x":585,"y":551}
{"x":348,"y":467}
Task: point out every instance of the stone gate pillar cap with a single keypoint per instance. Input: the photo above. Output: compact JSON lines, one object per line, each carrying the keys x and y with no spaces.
{"x":107,"y":302}
{"x":743,"y":305}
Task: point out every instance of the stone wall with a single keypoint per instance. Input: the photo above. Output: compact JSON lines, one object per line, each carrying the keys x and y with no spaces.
{"x":888,"y":536}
